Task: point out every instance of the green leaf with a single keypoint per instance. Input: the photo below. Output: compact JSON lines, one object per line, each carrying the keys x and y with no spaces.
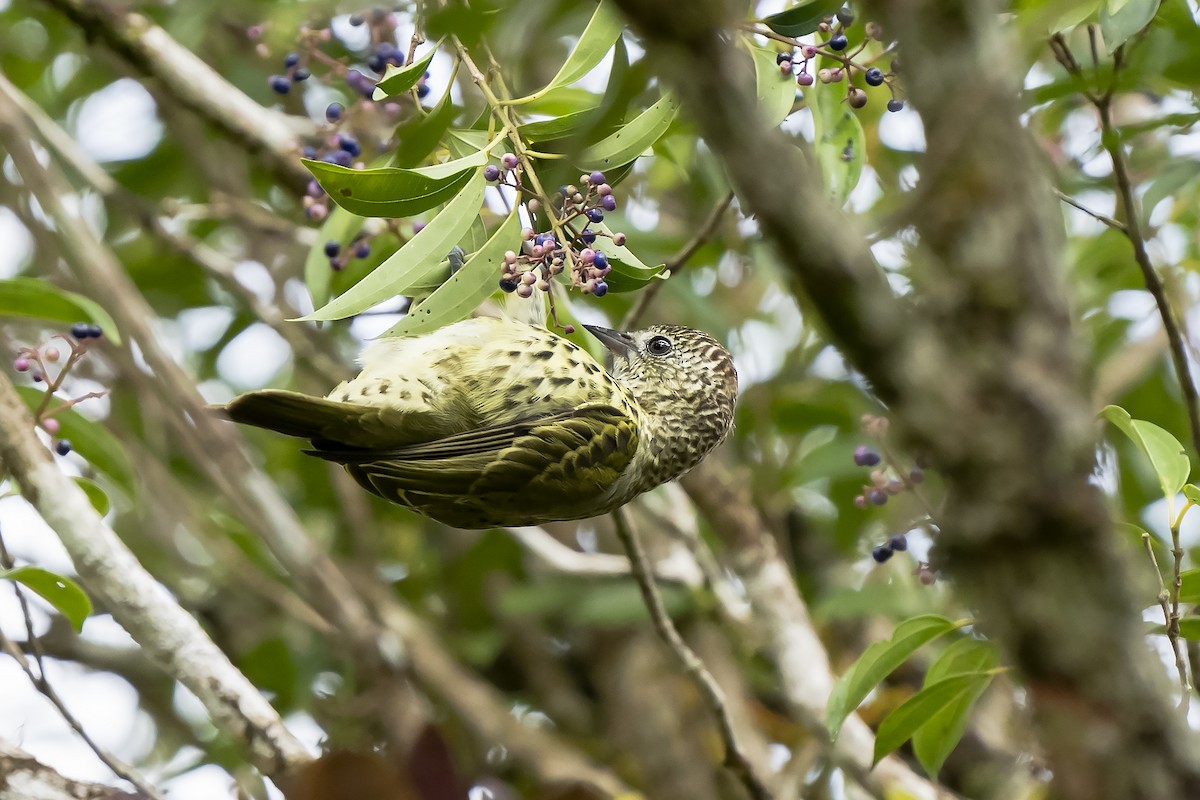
{"x":57,"y":590}
{"x":453,"y":167}
{"x":1189,"y":628}
{"x":418,"y":136}
{"x":1173,"y":177}
{"x":466,"y":289}
{"x":1121,"y":19}
{"x":934,"y":741}
{"x":340,"y":226}
{"x":1192,"y":492}
{"x":878,"y":661}
{"x":803,"y":18}
{"x":838,"y":138}
{"x":40,"y":299}
{"x":90,"y":440}
{"x":594,"y":43}
{"x":634,"y":138}
{"x":1189,"y":587}
{"x":416,"y":263}
{"x":561,"y":127}
{"x":776,"y":91}
{"x":398,"y":80}
{"x":920,"y":709}
{"x":1166,"y":454}
{"x":628,"y":271}
{"x":387,"y":191}
{"x":96,"y":496}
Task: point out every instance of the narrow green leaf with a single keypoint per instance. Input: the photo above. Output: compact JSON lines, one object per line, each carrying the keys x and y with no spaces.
{"x":453,"y":167}
{"x":934,"y":741}
{"x":898,"y":726}
{"x":838,"y":138}
{"x":466,"y":289}
{"x":776,"y":91}
{"x":97,"y":496}
{"x":387,"y":191}
{"x":878,"y":661}
{"x":802,"y":18}
{"x":1166,"y":454}
{"x":1189,"y":588}
{"x":398,"y":80}
{"x":418,"y":136}
{"x":40,"y":299}
{"x":634,"y":138}
{"x":1121,"y":19}
{"x":548,"y":130}
{"x":416,"y":262}
{"x":57,"y":590}
{"x":91,"y":440}
{"x":594,"y":43}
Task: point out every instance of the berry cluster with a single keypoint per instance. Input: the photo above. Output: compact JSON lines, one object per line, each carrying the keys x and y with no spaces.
{"x":36,"y":362}
{"x":887,"y":480}
{"x":339,"y":257}
{"x":282,"y":84}
{"x":835,"y":48}
{"x":572,"y":213}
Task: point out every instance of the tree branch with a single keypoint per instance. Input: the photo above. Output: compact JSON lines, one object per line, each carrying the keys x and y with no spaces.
{"x":23,"y":777}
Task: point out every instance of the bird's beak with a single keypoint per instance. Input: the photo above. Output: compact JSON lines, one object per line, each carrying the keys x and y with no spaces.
{"x":620,"y":343}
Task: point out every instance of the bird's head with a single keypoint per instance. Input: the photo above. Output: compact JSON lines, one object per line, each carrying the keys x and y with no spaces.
{"x":673,"y":371}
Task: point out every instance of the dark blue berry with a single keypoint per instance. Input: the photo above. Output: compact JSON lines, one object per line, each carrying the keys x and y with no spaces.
{"x":301,"y":74}
{"x":895,"y":105}
{"x":376,"y":63}
{"x":385,"y":49}
{"x":362,"y":250}
{"x":332,"y":248}
{"x":491,"y":173}
{"x":865,"y":456}
{"x":782,"y":57}
{"x":349,"y":144}
{"x":881,"y":553}
{"x":333,"y":112}
{"x":899,"y":542}
{"x":341,"y":157}
{"x":356,"y":20}
{"x":507,"y":285}
{"x":291,"y":60}
{"x":279,"y":84}
{"x":588,"y":237}
{"x":95,"y":331}
{"x":422,"y":91}
{"x":601,"y":261}
{"x":62,"y":447}
{"x":873,"y":76}
{"x":601,"y":289}
{"x":80,"y":330}
{"x":838,"y":41}
{"x":595,"y":215}
{"x":309,"y":151}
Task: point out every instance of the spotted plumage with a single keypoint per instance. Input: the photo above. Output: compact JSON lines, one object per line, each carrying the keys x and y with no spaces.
{"x":490,"y":422}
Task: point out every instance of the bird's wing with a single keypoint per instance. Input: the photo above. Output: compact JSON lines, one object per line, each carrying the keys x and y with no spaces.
{"x":332,"y":423}
{"x":581,"y":449}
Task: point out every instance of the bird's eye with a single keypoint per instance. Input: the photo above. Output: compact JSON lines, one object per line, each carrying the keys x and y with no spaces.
{"x":659,"y":346}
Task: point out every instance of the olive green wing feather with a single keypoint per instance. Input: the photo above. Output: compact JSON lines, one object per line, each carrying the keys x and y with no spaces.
{"x":329,"y":423}
{"x":581,"y":450}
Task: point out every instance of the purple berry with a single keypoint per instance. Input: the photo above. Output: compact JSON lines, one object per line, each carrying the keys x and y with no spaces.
{"x":333,"y":112}
{"x":349,"y":144}
{"x":608,"y":203}
{"x":881,"y":553}
{"x":362,"y":250}
{"x":316,"y":213}
{"x":332,"y":248}
{"x":597,"y":178}
{"x":588,"y":237}
{"x":309,"y":151}
{"x":376,"y":64}
{"x":340,"y":157}
{"x":865,"y":456}
{"x":291,"y":60}
{"x":315,"y":190}
{"x":895,"y":105}
{"x":601,"y":289}
{"x":422,"y":91}
{"x":95,"y":331}
{"x":600,"y":261}
{"x":595,"y":215}
{"x":877,"y":497}
{"x":491,"y":173}
{"x":21,"y":364}
{"x":899,"y":542}
{"x":873,"y":76}
{"x":279,"y":84}
{"x":509,"y":161}
{"x":301,"y":74}
{"x":604,"y":190}
{"x":838,"y":41}
{"x":917,"y":475}
{"x":804,"y":79}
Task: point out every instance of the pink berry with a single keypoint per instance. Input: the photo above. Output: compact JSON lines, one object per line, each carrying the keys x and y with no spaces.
{"x":50,"y":426}
{"x":51,"y":354}
{"x":568,"y":329}
{"x":21,"y":364}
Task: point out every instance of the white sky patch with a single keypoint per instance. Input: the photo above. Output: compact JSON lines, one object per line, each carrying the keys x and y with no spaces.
{"x":18,"y":244}
{"x":902,"y":130}
{"x":254,"y":357}
{"x":64,"y":67}
{"x":117,"y":123}
{"x":1081,"y":223}
{"x":201,"y":328}
{"x":257,"y":278}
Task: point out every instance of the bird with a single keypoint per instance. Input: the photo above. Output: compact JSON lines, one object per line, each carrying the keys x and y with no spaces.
{"x":492,"y":422}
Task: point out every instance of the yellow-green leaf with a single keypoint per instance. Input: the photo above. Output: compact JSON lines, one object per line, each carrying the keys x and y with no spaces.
{"x":594,"y":43}
{"x":634,"y":137}
{"x":398,"y":80}
{"x":40,"y":299}
{"x":776,"y":91}
{"x":387,"y":191}
{"x":57,"y":590}
{"x":1167,"y":457}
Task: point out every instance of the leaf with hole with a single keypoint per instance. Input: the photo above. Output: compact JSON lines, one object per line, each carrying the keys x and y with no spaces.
{"x":838,"y":139}
{"x":57,"y":590}
{"x":633,"y":138}
{"x":40,"y":299}
{"x":415,"y":265}
{"x":878,"y":661}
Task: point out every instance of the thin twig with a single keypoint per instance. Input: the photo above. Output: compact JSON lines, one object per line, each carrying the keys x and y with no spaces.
{"x":735,"y":758}
{"x":1170,"y":620}
{"x":1116,"y":225}
{"x":38,"y":678}
{"x":677,"y":262}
